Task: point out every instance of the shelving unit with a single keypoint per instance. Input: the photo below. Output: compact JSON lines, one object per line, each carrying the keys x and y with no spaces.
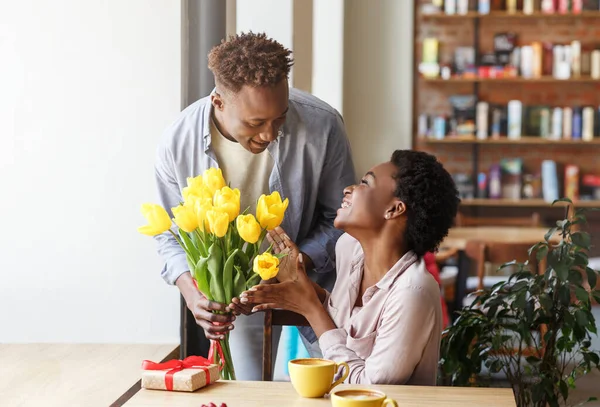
{"x":468,"y":155}
{"x":525,"y":203}
{"x":524,"y":140}
{"x":497,"y":86}
{"x":507,"y":15}
{"x":520,"y":80}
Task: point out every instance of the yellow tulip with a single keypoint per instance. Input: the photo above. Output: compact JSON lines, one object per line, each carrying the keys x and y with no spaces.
{"x":185,"y":217}
{"x":158,"y":220}
{"x":213,"y":179}
{"x":270,"y":210}
{"x":218,"y":222}
{"x":248,"y":228}
{"x":228,"y":200}
{"x":202,"y":206}
{"x":266,"y":265}
{"x":195,"y":191}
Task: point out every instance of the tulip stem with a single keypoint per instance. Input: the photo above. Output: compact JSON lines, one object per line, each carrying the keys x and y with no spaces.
{"x":178,"y":240}
{"x":201,"y":247}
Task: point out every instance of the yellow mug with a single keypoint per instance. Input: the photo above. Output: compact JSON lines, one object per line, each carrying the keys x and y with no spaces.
{"x":361,"y":398}
{"x":312,"y":377}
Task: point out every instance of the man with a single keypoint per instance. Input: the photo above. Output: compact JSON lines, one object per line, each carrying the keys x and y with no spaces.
{"x":265,"y":137}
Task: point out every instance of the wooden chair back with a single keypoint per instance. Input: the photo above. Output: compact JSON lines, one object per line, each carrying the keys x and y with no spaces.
{"x":276,"y":318}
{"x":481,"y":252}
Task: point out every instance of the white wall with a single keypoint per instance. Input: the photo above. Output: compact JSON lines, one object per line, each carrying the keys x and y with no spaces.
{"x":273,"y":17}
{"x":87,"y":88}
{"x":377,"y":78}
{"x":328,"y":52}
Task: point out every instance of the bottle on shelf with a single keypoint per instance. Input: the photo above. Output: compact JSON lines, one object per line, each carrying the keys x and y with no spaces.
{"x":511,"y":6}
{"x":567,"y":123}
{"x":515,"y":114}
{"x":484,"y":7}
{"x":481,"y":119}
{"x":588,"y":124}
{"x":557,"y":126}
{"x":577,"y":123}
{"x":595,"y":64}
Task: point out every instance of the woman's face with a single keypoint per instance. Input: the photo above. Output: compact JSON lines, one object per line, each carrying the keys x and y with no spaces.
{"x":365,"y":205}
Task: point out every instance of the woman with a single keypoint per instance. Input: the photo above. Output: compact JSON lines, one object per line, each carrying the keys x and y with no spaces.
{"x":383,"y":316}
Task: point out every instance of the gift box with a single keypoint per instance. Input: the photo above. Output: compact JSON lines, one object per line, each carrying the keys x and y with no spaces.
{"x":188,"y":374}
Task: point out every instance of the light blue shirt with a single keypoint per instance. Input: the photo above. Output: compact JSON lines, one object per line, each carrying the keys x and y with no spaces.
{"x":312,"y":166}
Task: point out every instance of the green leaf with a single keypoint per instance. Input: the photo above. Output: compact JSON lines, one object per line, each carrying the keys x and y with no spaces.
{"x":582,"y":295}
{"x":520,"y":301}
{"x":581,"y":239}
{"x":592,"y":399}
{"x":215,"y":268}
{"x":533,"y":359}
{"x":529,"y":309}
{"x":594,"y":358}
{"x":564,"y":294}
{"x":591,"y":276}
{"x":562,"y":200}
{"x":546,"y":302}
{"x":562,"y":273}
{"x":201,"y":277}
{"x":575,"y":277}
{"x":189,"y":246}
{"x":253,"y":280}
{"x":564,"y":389}
{"x":581,"y":259}
{"x":581,"y":318}
{"x":228,"y":276}
{"x":244,"y":260}
{"x":239,"y":281}
{"x":541,"y":253}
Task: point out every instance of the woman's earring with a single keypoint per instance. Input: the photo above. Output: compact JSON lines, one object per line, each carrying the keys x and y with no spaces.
{"x":387,"y":215}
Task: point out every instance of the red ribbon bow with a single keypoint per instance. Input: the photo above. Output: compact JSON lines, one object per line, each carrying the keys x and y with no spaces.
{"x":175,"y":365}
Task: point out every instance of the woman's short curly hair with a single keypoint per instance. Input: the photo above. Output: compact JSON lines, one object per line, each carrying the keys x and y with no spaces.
{"x":430,"y":195}
{"x":249,"y":59}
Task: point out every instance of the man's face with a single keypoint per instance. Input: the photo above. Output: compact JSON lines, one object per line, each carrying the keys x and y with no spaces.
{"x":252,"y":116}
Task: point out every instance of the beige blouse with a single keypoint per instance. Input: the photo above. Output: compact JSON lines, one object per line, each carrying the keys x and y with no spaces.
{"x":394,"y":338}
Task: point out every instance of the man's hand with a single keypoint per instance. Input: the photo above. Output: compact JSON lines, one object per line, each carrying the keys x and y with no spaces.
{"x":215,"y":326}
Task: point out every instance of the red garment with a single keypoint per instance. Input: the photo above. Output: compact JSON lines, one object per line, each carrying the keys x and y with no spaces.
{"x":432,"y":267}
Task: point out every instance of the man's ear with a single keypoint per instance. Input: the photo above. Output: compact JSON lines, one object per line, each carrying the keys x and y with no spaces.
{"x":217,"y":101}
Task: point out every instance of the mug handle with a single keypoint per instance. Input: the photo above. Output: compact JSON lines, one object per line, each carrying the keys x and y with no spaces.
{"x":389,"y":403}
{"x":344,"y":376}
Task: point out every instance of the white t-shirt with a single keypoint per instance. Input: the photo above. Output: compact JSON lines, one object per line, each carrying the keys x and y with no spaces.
{"x":242,"y":169}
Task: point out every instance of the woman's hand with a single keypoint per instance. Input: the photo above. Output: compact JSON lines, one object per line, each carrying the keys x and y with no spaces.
{"x":282,"y":243}
{"x":237,"y":308}
{"x":296,"y":295}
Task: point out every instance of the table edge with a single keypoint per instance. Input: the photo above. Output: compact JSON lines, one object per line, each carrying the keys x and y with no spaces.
{"x":136,"y":387}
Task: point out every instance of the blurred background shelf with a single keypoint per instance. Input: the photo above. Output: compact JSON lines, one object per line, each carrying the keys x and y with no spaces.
{"x":524,"y":140}
{"x":543,"y":79}
{"x":507,"y":15}
{"x":526,"y":203}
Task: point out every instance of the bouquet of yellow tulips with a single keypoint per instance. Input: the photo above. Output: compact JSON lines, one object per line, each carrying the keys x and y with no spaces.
{"x":222,"y":245}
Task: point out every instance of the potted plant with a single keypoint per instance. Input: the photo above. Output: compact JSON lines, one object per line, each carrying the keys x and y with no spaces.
{"x":534,"y":328}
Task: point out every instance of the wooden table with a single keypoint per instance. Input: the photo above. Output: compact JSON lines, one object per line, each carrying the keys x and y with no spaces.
{"x":71,"y":374}
{"x":282,"y":394}
{"x":459,"y":236}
